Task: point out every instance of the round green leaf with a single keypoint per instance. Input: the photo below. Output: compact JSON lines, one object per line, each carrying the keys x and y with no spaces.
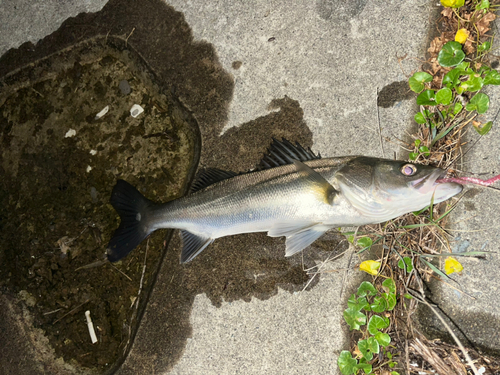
{"x":354,"y":318}
{"x":413,"y":155}
{"x":474,"y":83}
{"x":417,"y":80}
{"x":383,"y":338}
{"x":368,"y":347}
{"x":405,"y":263}
{"x":417,"y":142}
{"x":483,"y":129}
{"x":389,"y":286}
{"x":444,"y":96}
{"x":346,"y":362}
{"x":376,"y":323}
{"x":358,"y":304}
{"x":365,"y":242}
{"x":483,"y":4}
{"x":480,"y":103}
{"x":428,"y":97}
{"x":452,"y":78}
{"x":419,"y":118}
{"x":424,"y":150}
{"x":379,"y":304}
{"x":483,"y":47}
{"x":492,"y":78}
{"x":366,"y":288}
{"x":457,"y":108}
{"x":366,"y":367}
{"x":451,"y":54}
{"x":391,"y":301}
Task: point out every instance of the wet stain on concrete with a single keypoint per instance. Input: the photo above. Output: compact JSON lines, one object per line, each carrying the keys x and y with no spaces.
{"x":238,"y":267}
{"x":394,"y":93}
{"x":339,"y":10}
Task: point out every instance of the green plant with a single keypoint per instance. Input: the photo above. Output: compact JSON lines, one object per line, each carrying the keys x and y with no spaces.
{"x":457,"y":100}
{"x":366,"y":307}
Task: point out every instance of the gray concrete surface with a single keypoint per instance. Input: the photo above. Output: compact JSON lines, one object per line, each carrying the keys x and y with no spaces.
{"x":330,"y":56}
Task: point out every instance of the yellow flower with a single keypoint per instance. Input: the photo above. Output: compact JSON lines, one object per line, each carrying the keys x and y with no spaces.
{"x":370,"y":266}
{"x":452,"y":265}
{"x":461,"y":36}
{"x":452,"y":3}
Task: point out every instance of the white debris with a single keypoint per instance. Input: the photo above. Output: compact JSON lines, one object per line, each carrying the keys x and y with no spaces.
{"x":136,"y":110}
{"x":90,"y":326}
{"x":93,"y":152}
{"x":102,"y":113}
{"x":70,"y":133}
{"x":481,"y":370}
{"x":89,"y":168}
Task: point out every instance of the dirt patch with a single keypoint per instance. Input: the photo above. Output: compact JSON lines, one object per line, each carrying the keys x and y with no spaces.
{"x":60,"y":162}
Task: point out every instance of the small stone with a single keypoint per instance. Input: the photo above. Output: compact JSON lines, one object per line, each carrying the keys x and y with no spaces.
{"x":125,"y":87}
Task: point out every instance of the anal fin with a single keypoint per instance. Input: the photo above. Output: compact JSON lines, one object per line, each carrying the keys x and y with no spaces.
{"x":192,"y":245}
{"x":302,"y":239}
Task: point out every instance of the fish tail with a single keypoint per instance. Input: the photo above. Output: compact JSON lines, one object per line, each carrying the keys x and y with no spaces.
{"x":133,"y":209}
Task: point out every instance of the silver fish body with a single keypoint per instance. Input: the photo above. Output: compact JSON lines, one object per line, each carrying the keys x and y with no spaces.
{"x":300,"y":200}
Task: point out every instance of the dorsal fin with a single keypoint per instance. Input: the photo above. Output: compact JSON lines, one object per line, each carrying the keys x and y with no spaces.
{"x":284,"y":152}
{"x":210,"y":176}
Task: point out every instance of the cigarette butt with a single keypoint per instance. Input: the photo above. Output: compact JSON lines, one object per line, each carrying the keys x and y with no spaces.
{"x":90,"y":326}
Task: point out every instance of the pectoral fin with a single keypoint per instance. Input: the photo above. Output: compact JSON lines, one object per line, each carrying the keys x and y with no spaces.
{"x":318,"y":184}
{"x":192,"y":245}
{"x":300,"y":240}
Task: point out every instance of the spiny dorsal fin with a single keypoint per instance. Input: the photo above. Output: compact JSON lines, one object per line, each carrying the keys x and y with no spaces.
{"x":284,"y":152}
{"x":210,"y":176}
{"x":324,"y":190}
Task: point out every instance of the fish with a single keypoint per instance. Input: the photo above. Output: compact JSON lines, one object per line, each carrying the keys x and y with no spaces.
{"x":293,"y":193}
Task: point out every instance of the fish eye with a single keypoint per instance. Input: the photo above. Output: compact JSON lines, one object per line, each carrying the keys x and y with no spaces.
{"x":409,"y":169}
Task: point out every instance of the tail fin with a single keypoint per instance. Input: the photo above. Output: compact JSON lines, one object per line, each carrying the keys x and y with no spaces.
{"x":133,"y":209}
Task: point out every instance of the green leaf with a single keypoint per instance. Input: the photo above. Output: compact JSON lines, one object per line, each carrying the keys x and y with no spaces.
{"x":417,"y":142}
{"x":389,"y":286}
{"x":405,"y":263}
{"x":417,"y":80}
{"x":358,"y":304}
{"x":365,"y":242}
{"x":366,"y":288}
{"x":492,"y":78}
{"x":452,"y":78}
{"x":452,"y":3}
{"x":376,"y":323}
{"x":463,"y":66}
{"x":457,"y":108}
{"x":394,"y":373}
{"x":346,"y":363}
{"x":366,"y":367}
{"x":424,"y":150}
{"x":428,"y":97}
{"x":474,"y":83}
{"x":383,"y":339}
{"x":379,"y":304}
{"x":480,"y":102}
{"x":483,"y":4}
{"x":391,"y":300}
{"x":483,"y":47}
{"x":419,"y":118}
{"x":354,"y":318}
{"x":413,"y":155}
{"x":407,"y":296}
{"x":444,"y":96}
{"x":368,"y":347}
{"x":451,"y":54}
{"x":483,"y":129}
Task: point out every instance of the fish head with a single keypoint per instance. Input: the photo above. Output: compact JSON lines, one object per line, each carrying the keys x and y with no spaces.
{"x":384,"y":189}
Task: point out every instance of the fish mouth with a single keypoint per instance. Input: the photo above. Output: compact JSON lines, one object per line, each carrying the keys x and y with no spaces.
{"x":427,"y":183}
{"x":441,"y":191}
